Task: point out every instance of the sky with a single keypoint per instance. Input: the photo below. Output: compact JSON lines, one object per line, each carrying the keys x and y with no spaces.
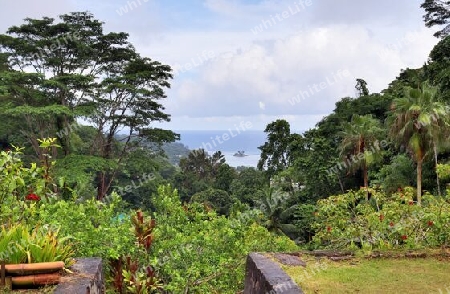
{"x":250,"y":61}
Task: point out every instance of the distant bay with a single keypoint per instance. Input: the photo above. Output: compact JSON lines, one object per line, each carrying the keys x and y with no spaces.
{"x":228,"y":142}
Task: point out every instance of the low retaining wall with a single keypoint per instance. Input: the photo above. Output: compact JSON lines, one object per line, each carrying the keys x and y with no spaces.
{"x":87,"y":278}
{"x":262,"y":275}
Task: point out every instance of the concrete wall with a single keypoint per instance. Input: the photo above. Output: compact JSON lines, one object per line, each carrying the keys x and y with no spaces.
{"x":262,"y":275}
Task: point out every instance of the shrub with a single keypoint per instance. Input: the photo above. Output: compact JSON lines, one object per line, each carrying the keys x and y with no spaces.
{"x":20,"y":244}
{"x":97,"y":228}
{"x":21,"y":188}
{"x":347,"y":221}
{"x":197,"y":251}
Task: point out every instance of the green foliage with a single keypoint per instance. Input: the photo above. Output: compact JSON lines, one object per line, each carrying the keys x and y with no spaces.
{"x":347,"y":221}
{"x":199,"y":171}
{"x":437,"y":13}
{"x":275,"y":153}
{"x":217,"y":199}
{"x":224,"y":177}
{"x":198,"y":251}
{"x":313,"y":162}
{"x":304,"y":219}
{"x":129,"y":271}
{"x":437,"y":69}
{"x":247,"y":185}
{"x":20,"y":244}
{"x":175,"y":151}
{"x":443,"y":171}
{"x":138,"y":179}
{"x":97,"y":229}
{"x":361,"y":87}
{"x":416,"y":121}
{"x":141,"y":282}
{"x":16,"y":183}
{"x":120,"y":90}
{"x":361,"y":137}
{"x":275,"y":212}
{"x":77,"y":173}
{"x":397,"y":174}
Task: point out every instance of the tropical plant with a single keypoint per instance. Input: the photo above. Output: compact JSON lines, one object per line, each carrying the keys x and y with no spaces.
{"x":20,"y":244}
{"x":217,"y":199}
{"x":199,"y":171}
{"x":275,"y":212}
{"x":107,"y":221}
{"x":415,"y":120}
{"x":443,"y":171}
{"x":397,"y":174}
{"x":22,"y":189}
{"x":360,"y":142}
{"x":133,"y":273}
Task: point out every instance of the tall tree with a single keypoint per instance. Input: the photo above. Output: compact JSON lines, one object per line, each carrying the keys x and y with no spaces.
{"x":275,"y":153}
{"x":313,"y":160}
{"x":55,"y":66}
{"x":71,"y":69}
{"x":438,"y":68}
{"x":128,"y":97}
{"x":360,"y":143}
{"x":199,"y":171}
{"x":411,"y":125}
{"x":437,"y":13}
{"x":361,"y":87}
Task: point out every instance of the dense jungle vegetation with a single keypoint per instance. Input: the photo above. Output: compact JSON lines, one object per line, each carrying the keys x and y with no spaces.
{"x":80,"y":155}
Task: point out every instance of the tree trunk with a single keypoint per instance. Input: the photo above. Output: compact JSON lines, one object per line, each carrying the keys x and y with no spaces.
{"x":419,"y":181}
{"x":366,"y":181}
{"x":435,"y":164}
{"x":341,"y":185}
{"x":101,"y":186}
{"x":102,"y":178}
{"x":64,"y":134}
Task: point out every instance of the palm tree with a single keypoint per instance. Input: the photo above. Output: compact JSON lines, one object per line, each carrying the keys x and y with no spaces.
{"x":360,"y":141}
{"x":415,"y":121}
{"x":273,"y":206}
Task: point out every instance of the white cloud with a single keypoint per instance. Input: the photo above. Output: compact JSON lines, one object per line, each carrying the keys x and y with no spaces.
{"x":255,"y":76}
{"x":273,"y":73}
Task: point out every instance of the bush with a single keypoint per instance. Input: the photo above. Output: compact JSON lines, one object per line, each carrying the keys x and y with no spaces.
{"x":349,"y":222}
{"x":197,"y":251}
{"x":182,"y":248}
{"x":20,"y":188}
{"x":97,"y":229}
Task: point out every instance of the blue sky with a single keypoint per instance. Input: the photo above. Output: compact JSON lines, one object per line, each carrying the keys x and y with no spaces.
{"x":257,"y":61}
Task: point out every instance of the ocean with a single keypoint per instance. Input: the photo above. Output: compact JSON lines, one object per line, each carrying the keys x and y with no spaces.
{"x":228,"y":142}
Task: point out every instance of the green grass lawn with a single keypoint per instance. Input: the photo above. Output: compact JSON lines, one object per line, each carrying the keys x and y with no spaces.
{"x":381,"y":275}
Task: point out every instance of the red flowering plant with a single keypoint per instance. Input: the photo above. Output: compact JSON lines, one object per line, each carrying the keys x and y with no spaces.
{"x":33,"y":197}
{"x":21,"y":187}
